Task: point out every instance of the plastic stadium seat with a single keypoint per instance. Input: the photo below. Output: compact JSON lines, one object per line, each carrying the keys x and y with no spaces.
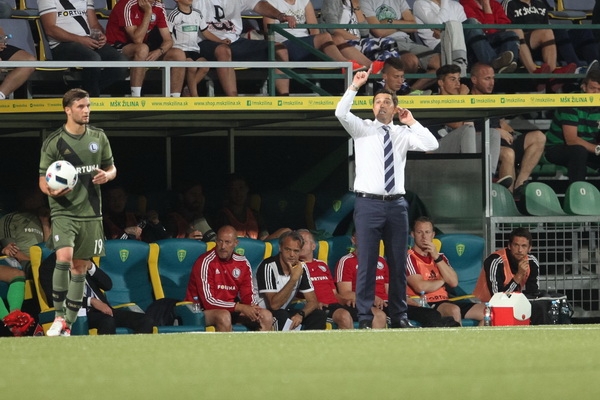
{"x":329,"y":211}
{"x":465,"y":253}
{"x":582,"y":198}
{"x":254,"y":250}
{"x":541,"y":200}
{"x":126,"y":262}
{"x":503,"y":203}
{"x":334,"y":248}
{"x":170,"y":262}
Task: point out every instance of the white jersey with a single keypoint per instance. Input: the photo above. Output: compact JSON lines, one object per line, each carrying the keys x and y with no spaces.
{"x":71,"y":15}
{"x":224,"y":17}
{"x":185,"y":29}
{"x":296,"y":10}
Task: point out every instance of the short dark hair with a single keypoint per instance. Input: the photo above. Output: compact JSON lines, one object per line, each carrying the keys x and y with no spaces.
{"x":294,"y":235}
{"x":520,"y":232}
{"x":422,"y":219}
{"x":447,"y":70}
{"x":392,"y":62}
{"x":592,"y":76}
{"x":387,"y":91}
{"x":73,"y":95}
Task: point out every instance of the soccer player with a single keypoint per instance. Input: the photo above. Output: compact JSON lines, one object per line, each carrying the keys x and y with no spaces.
{"x":76,"y":214}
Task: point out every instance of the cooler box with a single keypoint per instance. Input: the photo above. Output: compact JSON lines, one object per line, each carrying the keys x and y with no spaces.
{"x":512,"y":309}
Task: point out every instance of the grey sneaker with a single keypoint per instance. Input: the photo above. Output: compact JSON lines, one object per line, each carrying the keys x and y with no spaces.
{"x":512,"y":67}
{"x":594,"y":66}
{"x":503,"y":60}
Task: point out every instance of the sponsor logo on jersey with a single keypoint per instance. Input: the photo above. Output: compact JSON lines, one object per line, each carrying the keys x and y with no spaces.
{"x":226,"y":287}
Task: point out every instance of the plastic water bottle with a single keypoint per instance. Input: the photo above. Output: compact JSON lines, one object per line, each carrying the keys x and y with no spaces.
{"x":423,"y":300}
{"x":554,"y":312}
{"x":196,"y":306}
{"x":487,"y":315}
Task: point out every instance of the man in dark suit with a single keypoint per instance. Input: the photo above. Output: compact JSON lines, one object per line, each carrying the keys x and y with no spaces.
{"x":99,"y":312}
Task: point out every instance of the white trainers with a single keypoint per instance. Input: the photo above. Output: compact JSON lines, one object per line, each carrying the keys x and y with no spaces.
{"x":65,"y":332}
{"x":57,"y":327}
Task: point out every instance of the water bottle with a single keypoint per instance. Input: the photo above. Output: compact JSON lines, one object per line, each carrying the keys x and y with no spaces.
{"x":423,"y":300}
{"x":554,"y":312}
{"x":196,"y":308}
{"x":487,"y":315}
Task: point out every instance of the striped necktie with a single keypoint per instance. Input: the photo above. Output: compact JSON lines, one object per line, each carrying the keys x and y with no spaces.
{"x":388,"y":160}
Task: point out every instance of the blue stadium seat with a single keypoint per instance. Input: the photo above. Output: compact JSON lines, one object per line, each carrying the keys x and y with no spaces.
{"x":254,"y":250}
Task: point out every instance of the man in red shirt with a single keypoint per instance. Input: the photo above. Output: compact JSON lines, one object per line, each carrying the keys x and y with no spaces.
{"x":429,"y":271}
{"x":322,"y":281}
{"x":345,"y":272}
{"x":138,"y":28}
{"x":222,"y":280}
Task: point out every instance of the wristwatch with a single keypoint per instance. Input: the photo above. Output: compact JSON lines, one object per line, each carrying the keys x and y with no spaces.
{"x":301,"y":313}
{"x":597,"y":151}
{"x":390,"y":21}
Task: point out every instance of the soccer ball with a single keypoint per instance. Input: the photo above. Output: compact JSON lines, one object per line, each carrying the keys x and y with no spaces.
{"x":61,"y":175}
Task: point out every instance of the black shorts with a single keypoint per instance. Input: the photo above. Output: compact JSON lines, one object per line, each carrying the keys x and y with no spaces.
{"x":8,"y":52}
{"x":464,"y":306}
{"x":518,"y":146}
{"x":241,"y":50}
{"x":331,"y":308}
{"x":297,"y":52}
{"x":194,"y":55}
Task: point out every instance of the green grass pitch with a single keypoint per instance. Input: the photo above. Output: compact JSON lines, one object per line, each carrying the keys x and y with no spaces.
{"x":547,"y":362}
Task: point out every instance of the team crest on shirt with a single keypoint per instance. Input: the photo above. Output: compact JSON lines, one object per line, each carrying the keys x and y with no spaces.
{"x":236,"y":273}
{"x":94,"y":147}
{"x":153,"y":18}
{"x":379,"y":265}
{"x":322,"y":268}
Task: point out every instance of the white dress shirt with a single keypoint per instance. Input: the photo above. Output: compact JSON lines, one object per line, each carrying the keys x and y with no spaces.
{"x":368,"y":147}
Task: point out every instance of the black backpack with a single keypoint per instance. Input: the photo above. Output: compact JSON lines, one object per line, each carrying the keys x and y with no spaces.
{"x":162,"y":311}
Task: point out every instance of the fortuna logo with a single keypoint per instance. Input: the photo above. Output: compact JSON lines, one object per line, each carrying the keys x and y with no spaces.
{"x":181,"y":255}
{"x":460,"y":249}
{"x":123,"y":254}
{"x":226,"y":287}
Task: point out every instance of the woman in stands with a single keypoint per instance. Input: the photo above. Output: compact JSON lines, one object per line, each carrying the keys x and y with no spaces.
{"x":304,"y":13}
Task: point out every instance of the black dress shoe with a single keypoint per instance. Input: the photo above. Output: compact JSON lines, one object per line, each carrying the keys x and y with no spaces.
{"x":365,"y":324}
{"x":403,"y":323}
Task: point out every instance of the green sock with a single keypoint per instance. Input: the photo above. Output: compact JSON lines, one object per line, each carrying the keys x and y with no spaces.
{"x":74,"y":297}
{"x":16,"y":293}
{"x":60,"y":285}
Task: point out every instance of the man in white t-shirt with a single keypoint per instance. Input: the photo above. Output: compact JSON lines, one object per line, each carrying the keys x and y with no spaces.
{"x":224,"y":19}
{"x":74,"y":34}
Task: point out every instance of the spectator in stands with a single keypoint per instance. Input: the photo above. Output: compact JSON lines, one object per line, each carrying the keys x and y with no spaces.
{"x":345,"y":272}
{"x":513,"y":270}
{"x":281,"y":278}
{"x":429,"y":271}
{"x":17,"y":321}
{"x":224,"y":19}
{"x":26,"y":227}
{"x":185,"y":24}
{"x":350,"y":40}
{"x":462,"y":136}
{"x":491,"y":12}
{"x":327,"y":295}
{"x":393,"y":77}
{"x":139,"y":30}
{"x":100,"y":314}
{"x":119,"y":223}
{"x":238,"y":213}
{"x":572,"y":140}
{"x":222,"y":280}
{"x":571,"y":44}
{"x":187,"y":220}
{"x":451,"y":40}
{"x":18,"y":76}
{"x":414,"y":56}
{"x":74,"y":34}
{"x":518,"y":151}
{"x":304,"y":13}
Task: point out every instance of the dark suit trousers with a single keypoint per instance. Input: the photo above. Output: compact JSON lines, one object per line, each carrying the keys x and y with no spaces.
{"x":106,"y":325}
{"x":376,"y":220}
